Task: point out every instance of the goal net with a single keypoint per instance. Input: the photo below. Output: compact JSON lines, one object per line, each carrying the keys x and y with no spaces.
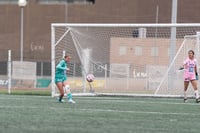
{"x":126,"y":59}
{"x":172,"y":80}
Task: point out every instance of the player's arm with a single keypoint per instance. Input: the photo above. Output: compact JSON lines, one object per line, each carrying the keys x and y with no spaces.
{"x":195,"y":70}
{"x":181,"y":68}
{"x":60,"y":66}
{"x":196,"y":73}
{"x":184,"y":65}
{"x":196,"y":66}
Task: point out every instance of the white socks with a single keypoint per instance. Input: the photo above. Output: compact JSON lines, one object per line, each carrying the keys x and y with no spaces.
{"x":66,"y":88}
{"x":185,"y":95}
{"x":196,"y":92}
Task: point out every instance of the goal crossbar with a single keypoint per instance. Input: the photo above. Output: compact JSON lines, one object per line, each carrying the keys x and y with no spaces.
{"x":125,"y":25}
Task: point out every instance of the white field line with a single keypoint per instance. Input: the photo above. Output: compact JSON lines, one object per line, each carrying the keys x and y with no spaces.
{"x":111,"y":100}
{"x":103,"y":110}
{"x":2,"y":96}
{"x":145,"y":102}
{"x":139,"y":112}
{"x":129,"y":99}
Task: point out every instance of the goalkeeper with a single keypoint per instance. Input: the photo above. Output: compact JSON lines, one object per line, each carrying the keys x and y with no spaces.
{"x":61,"y":79}
{"x":191,"y":75}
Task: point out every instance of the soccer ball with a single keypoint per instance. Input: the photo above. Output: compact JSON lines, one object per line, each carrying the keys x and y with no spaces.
{"x":90,"y":77}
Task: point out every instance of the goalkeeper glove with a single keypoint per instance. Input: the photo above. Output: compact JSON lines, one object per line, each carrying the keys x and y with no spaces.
{"x":181,"y":68}
{"x":197,"y":76}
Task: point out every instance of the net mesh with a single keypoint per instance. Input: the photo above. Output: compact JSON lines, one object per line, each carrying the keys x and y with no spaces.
{"x":123,"y":59}
{"x":172,"y":81}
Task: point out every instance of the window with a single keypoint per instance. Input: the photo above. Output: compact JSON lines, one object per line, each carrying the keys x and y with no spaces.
{"x":138,"y":51}
{"x":3,"y":68}
{"x":43,"y":68}
{"x":154,"y":51}
{"x":8,"y":1}
{"x":64,"y":1}
{"x":122,"y":50}
{"x":54,"y":1}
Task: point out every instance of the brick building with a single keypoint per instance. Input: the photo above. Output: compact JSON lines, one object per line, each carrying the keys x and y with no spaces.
{"x":38,"y":17}
{"x":141,"y":51}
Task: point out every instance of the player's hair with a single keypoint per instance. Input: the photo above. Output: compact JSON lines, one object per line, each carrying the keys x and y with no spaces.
{"x":67,"y":56}
{"x":191,"y":52}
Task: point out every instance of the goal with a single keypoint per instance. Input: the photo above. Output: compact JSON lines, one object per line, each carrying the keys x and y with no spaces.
{"x":126,"y":59}
{"x":174,"y":75}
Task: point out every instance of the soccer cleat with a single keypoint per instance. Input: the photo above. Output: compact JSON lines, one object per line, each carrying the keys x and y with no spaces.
{"x":185,"y":100}
{"x":71,"y":101}
{"x":197,"y":100}
{"x":60,"y":101}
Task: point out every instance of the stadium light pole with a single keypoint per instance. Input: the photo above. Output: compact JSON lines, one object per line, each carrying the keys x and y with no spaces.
{"x":173,"y":29}
{"x":22,"y":4}
{"x":173,"y":41}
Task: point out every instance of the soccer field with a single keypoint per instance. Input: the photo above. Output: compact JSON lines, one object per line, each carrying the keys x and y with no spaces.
{"x":42,"y":114}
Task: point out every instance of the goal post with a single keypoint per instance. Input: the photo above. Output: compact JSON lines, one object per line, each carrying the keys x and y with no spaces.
{"x":124,"y":58}
{"x":53,"y":45}
{"x":189,"y":43}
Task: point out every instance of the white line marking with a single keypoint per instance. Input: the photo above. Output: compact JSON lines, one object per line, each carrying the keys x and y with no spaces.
{"x":145,"y":102}
{"x":102,"y":110}
{"x":121,"y":100}
{"x":139,"y":112}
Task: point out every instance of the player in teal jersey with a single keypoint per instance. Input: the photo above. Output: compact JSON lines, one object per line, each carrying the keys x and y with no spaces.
{"x":61,"y":79}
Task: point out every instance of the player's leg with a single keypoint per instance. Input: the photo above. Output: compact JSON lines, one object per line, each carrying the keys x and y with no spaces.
{"x":194,"y":85}
{"x":60,"y":88}
{"x":186,"y":83}
{"x":68,"y":92}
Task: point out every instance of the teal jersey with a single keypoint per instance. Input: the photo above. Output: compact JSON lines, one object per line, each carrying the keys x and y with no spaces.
{"x":61,"y":68}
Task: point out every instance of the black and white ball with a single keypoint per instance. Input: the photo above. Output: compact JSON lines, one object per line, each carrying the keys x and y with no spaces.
{"x":90,"y":77}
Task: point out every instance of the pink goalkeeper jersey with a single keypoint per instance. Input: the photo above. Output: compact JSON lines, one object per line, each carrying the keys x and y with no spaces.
{"x":189,"y":72}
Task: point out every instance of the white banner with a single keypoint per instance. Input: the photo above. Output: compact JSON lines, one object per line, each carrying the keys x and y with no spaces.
{"x":119,"y":70}
{"x":24,"y":70}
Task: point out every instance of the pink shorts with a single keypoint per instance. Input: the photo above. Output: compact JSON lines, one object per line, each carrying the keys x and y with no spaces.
{"x":189,"y":77}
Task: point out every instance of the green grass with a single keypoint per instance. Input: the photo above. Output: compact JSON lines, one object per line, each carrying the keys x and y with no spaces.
{"x":40,"y":92}
{"x":42,"y":114}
